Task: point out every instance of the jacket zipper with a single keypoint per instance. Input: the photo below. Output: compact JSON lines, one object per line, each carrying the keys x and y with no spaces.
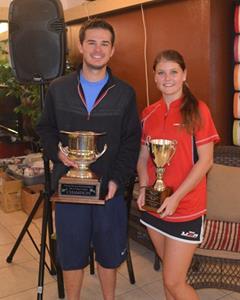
{"x":97,"y":100}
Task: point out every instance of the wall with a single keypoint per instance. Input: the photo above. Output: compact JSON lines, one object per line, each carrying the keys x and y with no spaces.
{"x":3,"y":13}
{"x":99,"y":7}
{"x":200,"y":29}
{"x":221,"y":66}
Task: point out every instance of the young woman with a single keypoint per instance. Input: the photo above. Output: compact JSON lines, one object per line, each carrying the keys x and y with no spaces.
{"x":176,"y":229}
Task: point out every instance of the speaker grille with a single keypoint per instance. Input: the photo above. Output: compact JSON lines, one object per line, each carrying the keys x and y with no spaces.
{"x":57,"y":26}
{"x":36,"y":39}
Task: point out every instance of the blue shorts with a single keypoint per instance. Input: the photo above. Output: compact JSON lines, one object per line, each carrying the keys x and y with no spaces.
{"x":103,"y":226}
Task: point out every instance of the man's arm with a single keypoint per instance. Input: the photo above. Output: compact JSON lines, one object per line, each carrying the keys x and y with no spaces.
{"x":125,"y":164}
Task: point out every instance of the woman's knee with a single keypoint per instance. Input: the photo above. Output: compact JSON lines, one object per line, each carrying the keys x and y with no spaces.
{"x":173,"y":283}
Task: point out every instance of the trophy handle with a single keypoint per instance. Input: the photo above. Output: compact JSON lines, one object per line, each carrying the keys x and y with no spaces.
{"x":101,"y":153}
{"x":64,"y":150}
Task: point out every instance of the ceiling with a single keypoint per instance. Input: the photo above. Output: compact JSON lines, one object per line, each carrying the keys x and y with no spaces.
{"x":66,"y":3}
{"x":79,"y":9}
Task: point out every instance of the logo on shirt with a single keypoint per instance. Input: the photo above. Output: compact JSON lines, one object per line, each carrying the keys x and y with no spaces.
{"x":189,"y":234}
{"x":124,"y":251}
{"x":179,"y":124}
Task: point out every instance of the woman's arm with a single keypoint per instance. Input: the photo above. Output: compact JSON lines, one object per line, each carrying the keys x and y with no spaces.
{"x":142,"y":174}
{"x":198,"y":171}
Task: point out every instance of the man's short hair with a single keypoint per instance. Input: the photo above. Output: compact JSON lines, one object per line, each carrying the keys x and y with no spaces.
{"x":96,"y":23}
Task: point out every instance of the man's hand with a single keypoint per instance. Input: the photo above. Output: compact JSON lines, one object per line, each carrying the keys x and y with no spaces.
{"x":66,"y":161}
{"x":112,"y":188}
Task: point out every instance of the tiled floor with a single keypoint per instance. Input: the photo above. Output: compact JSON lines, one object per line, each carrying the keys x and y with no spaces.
{"x":18,"y":280}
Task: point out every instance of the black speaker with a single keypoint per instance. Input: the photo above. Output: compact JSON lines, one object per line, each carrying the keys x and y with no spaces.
{"x":36,"y":40}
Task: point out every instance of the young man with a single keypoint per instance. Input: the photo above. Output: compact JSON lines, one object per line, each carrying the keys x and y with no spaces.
{"x":93,"y":99}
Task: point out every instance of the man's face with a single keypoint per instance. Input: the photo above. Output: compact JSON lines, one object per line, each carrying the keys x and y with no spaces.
{"x":96,"y":48}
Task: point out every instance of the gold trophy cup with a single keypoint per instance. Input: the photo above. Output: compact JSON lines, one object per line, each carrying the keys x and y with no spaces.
{"x":161,"y":152}
{"x":80,"y":185}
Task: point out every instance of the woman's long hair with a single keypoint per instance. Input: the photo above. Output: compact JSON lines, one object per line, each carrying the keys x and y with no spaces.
{"x":189,"y":110}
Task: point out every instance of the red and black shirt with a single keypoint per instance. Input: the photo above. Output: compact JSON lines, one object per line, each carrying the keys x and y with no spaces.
{"x":161,"y":122}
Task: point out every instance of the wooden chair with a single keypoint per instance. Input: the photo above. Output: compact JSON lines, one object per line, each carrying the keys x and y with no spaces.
{"x":209,"y":268}
{"x":216,"y":263}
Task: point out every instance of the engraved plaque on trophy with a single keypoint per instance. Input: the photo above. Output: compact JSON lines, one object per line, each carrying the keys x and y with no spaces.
{"x":161,"y":152}
{"x":80,"y":185}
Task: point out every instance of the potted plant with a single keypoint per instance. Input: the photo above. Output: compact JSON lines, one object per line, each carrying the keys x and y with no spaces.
{"x":29,"y":96}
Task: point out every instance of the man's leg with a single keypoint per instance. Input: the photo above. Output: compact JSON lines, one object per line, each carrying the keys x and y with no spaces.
{"x":110,"y":242}
{"x":73,"y":228}
{"x":108,"y":278}
{"x":73,"y":283}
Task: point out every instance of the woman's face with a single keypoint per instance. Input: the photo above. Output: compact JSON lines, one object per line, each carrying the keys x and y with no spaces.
{"x":169,"y":78}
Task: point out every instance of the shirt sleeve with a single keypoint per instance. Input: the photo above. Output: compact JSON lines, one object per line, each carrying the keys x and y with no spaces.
{"x":207,"y":132}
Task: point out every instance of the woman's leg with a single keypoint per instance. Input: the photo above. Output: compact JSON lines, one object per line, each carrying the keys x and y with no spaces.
{"x":176,"y":258}
{"x":176,"y":261}
{"x":159,"y":245}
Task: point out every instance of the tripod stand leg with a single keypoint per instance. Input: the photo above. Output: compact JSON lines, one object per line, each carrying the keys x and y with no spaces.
{"x":61,"y":292}
{"x":46,"y":212}
{"x":52,"y":246}
{"x":130,"y":266}
{"x":47,"y":223}
{"x":25,"y":228}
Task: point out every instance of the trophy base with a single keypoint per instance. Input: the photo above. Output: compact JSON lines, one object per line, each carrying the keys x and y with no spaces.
{"x":81,"y":174}
{"x":154,"y":199}
{"x":78,"y":190}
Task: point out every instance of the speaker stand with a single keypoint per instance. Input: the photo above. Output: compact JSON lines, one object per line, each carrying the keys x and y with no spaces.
{"x":25,"y":230}
{"x":47,"y":223}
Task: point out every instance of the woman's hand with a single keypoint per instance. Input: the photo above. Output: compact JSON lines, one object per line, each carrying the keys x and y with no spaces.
{"x":168,"y":207}
{"x":141,"y":200}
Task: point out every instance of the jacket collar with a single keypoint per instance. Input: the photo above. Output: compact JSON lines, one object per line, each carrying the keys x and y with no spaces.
{"x":110,"y":84}
{"x":111,"y":80}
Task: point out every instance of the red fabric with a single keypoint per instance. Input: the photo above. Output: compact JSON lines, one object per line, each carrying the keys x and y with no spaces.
{"x":163,"y":123}
{"x":221,"y":235}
